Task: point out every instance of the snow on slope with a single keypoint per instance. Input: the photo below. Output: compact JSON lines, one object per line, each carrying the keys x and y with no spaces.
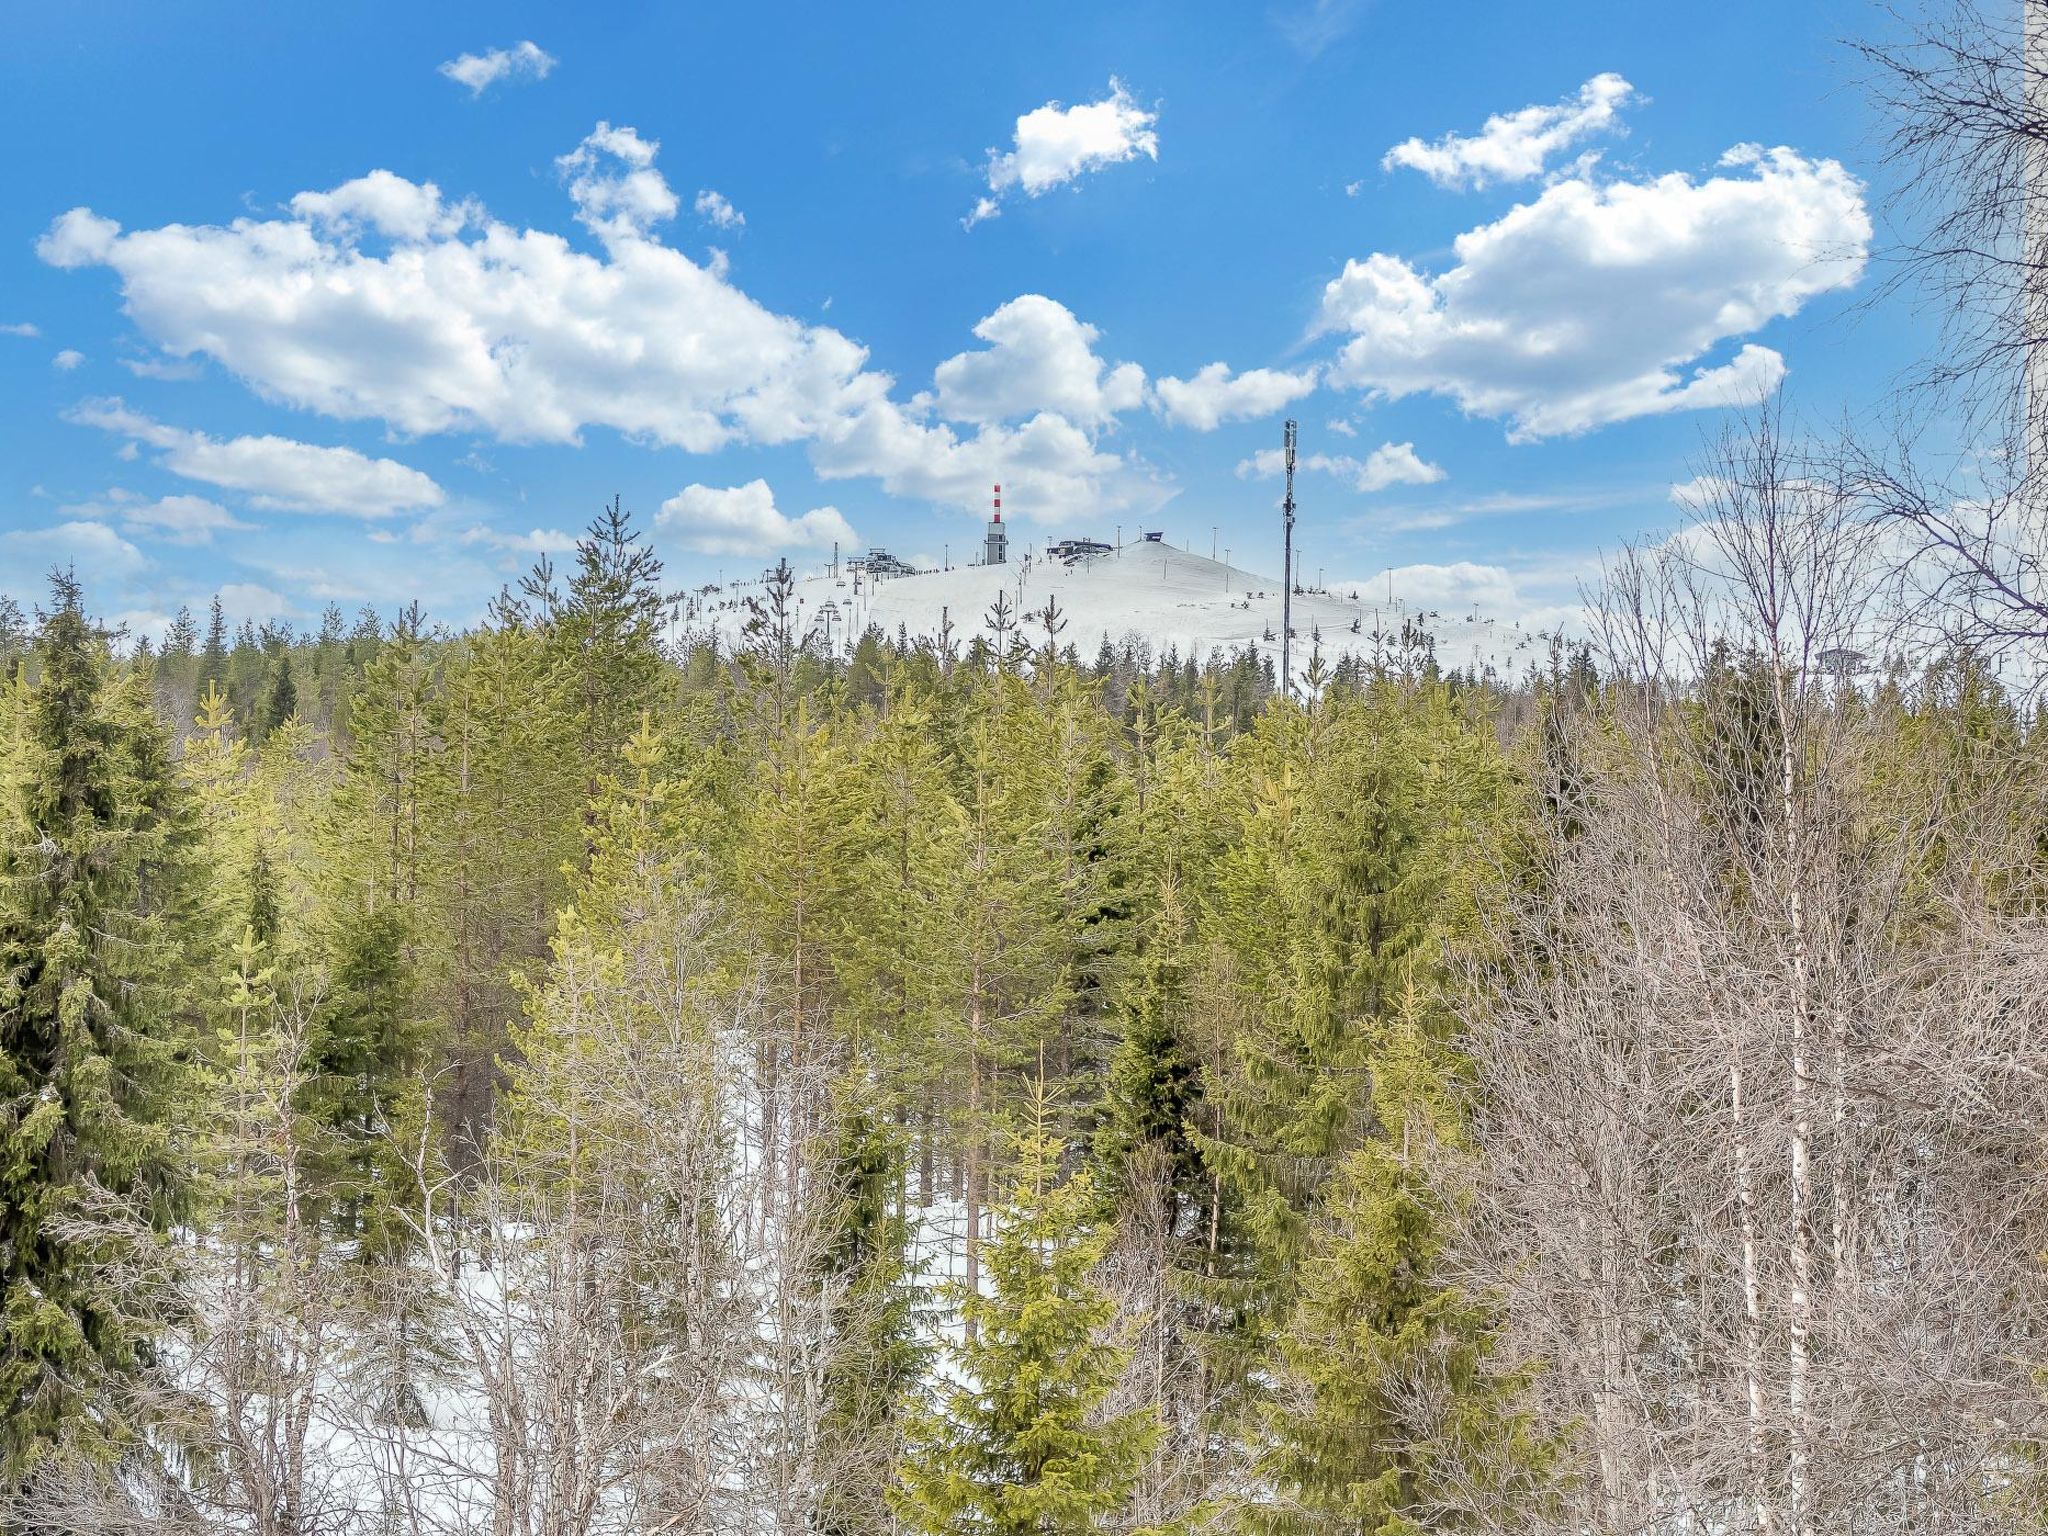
{"x":1165,"y":595}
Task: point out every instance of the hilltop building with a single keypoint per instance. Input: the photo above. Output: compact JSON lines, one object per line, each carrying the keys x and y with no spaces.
{"x":879,"y":562}
{"x":1070,"y":550}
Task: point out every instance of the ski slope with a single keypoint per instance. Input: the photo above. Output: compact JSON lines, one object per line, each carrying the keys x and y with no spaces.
{"x":1168,"y":597}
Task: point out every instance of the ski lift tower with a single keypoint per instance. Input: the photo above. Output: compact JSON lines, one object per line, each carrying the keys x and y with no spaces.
{"x":1287,"y":568}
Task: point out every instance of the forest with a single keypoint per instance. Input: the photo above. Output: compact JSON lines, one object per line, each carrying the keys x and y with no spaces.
{"x":561,"y":1076}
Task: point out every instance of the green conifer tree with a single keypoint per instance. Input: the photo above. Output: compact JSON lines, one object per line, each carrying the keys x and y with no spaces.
{"x":509,"y":826}
{"x":379,"y":856}
{"x":1386,"y":1416}
{"x":1021,"y":1443}
{"x":605,"y":630}
{"x":213,"y":658}
{"x":280,"y":697}
{"x":874,"y":1356}
{"x":1145,"y":1144}
{"x":93,"y":1034}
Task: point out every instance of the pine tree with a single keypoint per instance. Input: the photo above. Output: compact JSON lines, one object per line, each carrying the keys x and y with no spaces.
{"x":1020,"y":1443}
{"x":92,"y":1039}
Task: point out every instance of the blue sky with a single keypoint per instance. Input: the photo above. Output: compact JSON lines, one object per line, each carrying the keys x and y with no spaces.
{"x":238,"y":357}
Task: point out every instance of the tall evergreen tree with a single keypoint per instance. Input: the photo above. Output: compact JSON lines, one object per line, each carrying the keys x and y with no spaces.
{"x":1348,"y":886}
{"x":605,"y":628}
{"x":15,"y":634}
{"x":93,"y":1043}
{"x":509,"y":827}
{"x":379,"y":856}
{"x":873,"y":1355}
{"x":1387,"y":1416}
{"x":213,"y":658}
{"x":1020,"y":1443}
{"x":1145,"y":1144}
{"x":280,"y":696}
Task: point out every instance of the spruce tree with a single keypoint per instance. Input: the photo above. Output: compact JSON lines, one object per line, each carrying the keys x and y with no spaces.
{"x":181,"y":640}
{"x":280,"y":697}
{"x":1388,"y":1416}
{"x":1145,"y":1144}
{"x":1021,"y":1442}
{"x":248,"y":664}
{"x":215,"y":768}
{"x":605,"y":630}
{"x":93,"y":1040}
{"x":1346,"y":888}
{"x":510,"y":825}
{"x":378,"y":859}
{"x":873,"y":1356}
{"x":213,"y":659}
{"x":15,"y":634}
{"x":999,"y":951}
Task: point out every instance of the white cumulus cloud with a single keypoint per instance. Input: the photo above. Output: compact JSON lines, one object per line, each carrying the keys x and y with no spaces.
{"x":466,"y":324}
{"x":743,"y":520}
{"x":1054,"y":144}
{"x":1596,"y":303}
{"x":67,"y":360}
{"x":1213,"y":396}
{"x":1515,"y":146}
{"x":276,"y":472}
{"x":20,"y":328}
{"x":480,"y":71}
{"x":536,"y":541}
{"x":250,"y":600}
{"x":1514,"y":603}
{"x":1040,"y":358}
{"x":387,"y":204}
{"x":1050,"y":469}
{"x":1388,"y":464}
{"x":612,"y":180}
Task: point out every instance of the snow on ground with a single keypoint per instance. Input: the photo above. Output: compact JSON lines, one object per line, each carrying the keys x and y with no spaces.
{"x":1171,"y":597}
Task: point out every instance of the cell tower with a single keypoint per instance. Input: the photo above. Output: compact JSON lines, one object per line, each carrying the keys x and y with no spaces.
{"x":998,"y":549}
{"x":1287,"y":568}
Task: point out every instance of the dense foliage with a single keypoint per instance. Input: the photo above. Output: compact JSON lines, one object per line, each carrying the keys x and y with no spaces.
{"x":561,"y":1077}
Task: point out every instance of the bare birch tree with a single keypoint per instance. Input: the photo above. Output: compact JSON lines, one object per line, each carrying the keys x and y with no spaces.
{"x":1964,"y":478}
{"x":1715,"y":1191}
{"x":241,"y":1424}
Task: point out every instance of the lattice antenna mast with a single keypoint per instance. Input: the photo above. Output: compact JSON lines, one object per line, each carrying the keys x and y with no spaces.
{"x":1287,"y":571}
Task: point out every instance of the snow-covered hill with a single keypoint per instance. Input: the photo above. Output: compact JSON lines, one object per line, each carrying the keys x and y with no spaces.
{"x":1169,"y":597}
